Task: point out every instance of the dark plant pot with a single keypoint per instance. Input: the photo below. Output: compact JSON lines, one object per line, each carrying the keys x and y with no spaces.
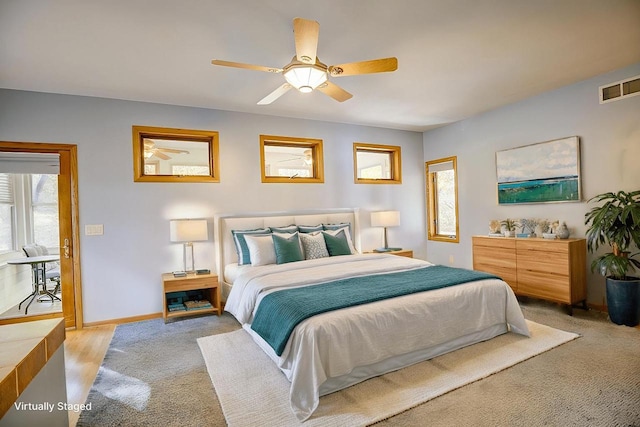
{"x":623,"y":301}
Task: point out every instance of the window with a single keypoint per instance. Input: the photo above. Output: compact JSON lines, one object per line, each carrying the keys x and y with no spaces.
{"x":442,"y":199}
{"x":7,"y":220}
{"x":376,"y":164}
{"x":44,"y":207}
{"x":291,"y":160}
{"x":28,"y":211}
{"x":175,"y":155}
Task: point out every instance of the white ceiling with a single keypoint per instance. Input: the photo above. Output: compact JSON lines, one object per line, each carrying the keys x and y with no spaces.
{"x":456,"y":58}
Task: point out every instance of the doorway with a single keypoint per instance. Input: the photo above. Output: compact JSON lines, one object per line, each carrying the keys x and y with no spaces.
{"x":69,"y":228}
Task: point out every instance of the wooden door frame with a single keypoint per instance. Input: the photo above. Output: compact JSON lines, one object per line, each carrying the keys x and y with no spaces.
{"x":68,"y":209}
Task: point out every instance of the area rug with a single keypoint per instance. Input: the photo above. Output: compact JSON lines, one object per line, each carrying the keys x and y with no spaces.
{"x":253,"y":391}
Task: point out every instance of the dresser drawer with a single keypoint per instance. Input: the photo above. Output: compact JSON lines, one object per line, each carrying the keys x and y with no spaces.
{"x":498,"y":261}
{"x":545,"y":285}
{"x":548,"y":262}
{"x":548,"y":247}
{"x":498,"y":257}
{"x":494,"y":242}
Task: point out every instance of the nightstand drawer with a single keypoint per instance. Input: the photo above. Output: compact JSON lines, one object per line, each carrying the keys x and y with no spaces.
{"x":187,"y":283}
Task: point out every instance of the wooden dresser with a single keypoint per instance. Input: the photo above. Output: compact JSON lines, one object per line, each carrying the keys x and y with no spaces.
{"x":554,"y":270}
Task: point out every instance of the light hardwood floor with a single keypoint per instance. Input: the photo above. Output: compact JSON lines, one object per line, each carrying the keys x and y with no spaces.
{"x":84,"y":351}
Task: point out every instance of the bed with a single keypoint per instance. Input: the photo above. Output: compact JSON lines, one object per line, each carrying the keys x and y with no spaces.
{"x":333,"y":349}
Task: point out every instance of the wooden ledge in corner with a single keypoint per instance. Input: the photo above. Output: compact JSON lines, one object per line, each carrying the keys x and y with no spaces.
{"x":24,"y":350}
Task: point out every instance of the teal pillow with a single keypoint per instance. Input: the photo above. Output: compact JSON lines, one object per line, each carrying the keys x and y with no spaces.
{"x":244,"y":256}
{"x":337,"y":245}
{"x":337,"y":226}
{"x":287,"y":248}
{"x":288,"y":229}
{"x":310,"y":228}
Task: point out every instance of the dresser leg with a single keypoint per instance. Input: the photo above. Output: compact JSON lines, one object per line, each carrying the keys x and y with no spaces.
{"x":570,"y":310}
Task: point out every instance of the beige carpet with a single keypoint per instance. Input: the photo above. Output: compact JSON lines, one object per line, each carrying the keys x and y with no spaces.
{"x":253,"y":391}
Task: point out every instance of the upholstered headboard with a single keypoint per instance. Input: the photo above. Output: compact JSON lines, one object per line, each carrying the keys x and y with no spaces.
{"x":224,"y":223}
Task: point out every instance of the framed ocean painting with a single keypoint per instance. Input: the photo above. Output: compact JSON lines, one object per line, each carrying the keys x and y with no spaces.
{"x":540,"y":173}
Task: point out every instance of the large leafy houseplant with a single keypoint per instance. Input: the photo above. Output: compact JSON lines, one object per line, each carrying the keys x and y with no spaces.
{"x":615,"y":223}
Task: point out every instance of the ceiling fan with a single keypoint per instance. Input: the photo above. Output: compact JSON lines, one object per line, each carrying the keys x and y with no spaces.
{"x":150,"y":150}
{"x":306,"y":73}
{"x":306,"y":158}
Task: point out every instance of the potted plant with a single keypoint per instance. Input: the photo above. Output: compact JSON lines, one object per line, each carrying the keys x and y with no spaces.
{"x":510,"y":227}
{"x":616,"y":223}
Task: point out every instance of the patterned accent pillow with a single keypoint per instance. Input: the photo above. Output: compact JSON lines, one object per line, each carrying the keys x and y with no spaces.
{"x":314,"y":245}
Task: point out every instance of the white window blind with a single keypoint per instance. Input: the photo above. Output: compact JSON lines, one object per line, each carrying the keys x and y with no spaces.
{"x":7,"y":225}
{"x":6,"y":188}
{"x":45,"y":163}
{"x":440,"y":167}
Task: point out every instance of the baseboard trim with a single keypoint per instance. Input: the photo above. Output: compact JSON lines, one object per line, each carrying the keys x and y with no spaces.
{"x":123,"y":320}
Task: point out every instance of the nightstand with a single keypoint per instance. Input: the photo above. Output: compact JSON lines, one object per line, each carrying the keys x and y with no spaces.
{"x":402,"y":252}
{"x":205,"y":286}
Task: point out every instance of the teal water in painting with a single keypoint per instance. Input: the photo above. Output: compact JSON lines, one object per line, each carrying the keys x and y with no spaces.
{"x":539,"y":190}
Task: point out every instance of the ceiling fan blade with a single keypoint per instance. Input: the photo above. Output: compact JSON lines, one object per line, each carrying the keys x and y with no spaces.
{"x":160,"y":155}
{"x":334,"y":91}
{"x":172,"y":150}
{"x":306,"y":33}
{"x":364,"y":67}
{"x":275,"y":94}
{"x":247,"y":66}
{"x":289,"y":160}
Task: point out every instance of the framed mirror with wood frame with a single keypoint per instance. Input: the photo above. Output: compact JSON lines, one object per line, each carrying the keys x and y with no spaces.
{"x":175,"y":155}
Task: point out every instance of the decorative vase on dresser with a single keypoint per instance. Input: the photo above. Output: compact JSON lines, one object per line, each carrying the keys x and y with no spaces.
{"x":553,"y":270}
{"x":563,"y":231}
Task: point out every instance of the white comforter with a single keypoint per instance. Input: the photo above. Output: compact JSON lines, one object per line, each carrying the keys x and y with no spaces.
{"x":326,"y":352}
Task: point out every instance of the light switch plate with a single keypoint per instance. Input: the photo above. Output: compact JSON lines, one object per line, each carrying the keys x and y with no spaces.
{"x":93,"y":230}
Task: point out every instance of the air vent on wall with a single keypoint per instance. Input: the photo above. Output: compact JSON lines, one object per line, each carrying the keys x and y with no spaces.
{"x":620,"y":90}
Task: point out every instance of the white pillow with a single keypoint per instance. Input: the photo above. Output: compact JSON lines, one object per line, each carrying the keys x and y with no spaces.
{"x":261,"y":250}
{"x":313,"y":245}
{"x":347,"y":234}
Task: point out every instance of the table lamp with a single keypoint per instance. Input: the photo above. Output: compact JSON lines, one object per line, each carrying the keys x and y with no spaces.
{"x":385,"y":219}
{"x":188,"y":231}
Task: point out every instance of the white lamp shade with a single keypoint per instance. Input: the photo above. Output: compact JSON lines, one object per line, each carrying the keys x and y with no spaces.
{"x":385,"y":219}
{"x":188,"y":230}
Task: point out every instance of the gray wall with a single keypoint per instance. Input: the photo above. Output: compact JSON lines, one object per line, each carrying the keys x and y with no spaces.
{"x":121,"y":269}
{"x":610,"y":154}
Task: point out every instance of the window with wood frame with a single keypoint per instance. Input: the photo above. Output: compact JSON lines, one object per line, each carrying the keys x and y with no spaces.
{"x":442,"y":200}
{"x":376,"y":164}
{"x":285,"y":159}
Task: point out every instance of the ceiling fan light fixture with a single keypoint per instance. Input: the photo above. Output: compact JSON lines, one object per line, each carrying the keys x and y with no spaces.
{"x":305,"y":78}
